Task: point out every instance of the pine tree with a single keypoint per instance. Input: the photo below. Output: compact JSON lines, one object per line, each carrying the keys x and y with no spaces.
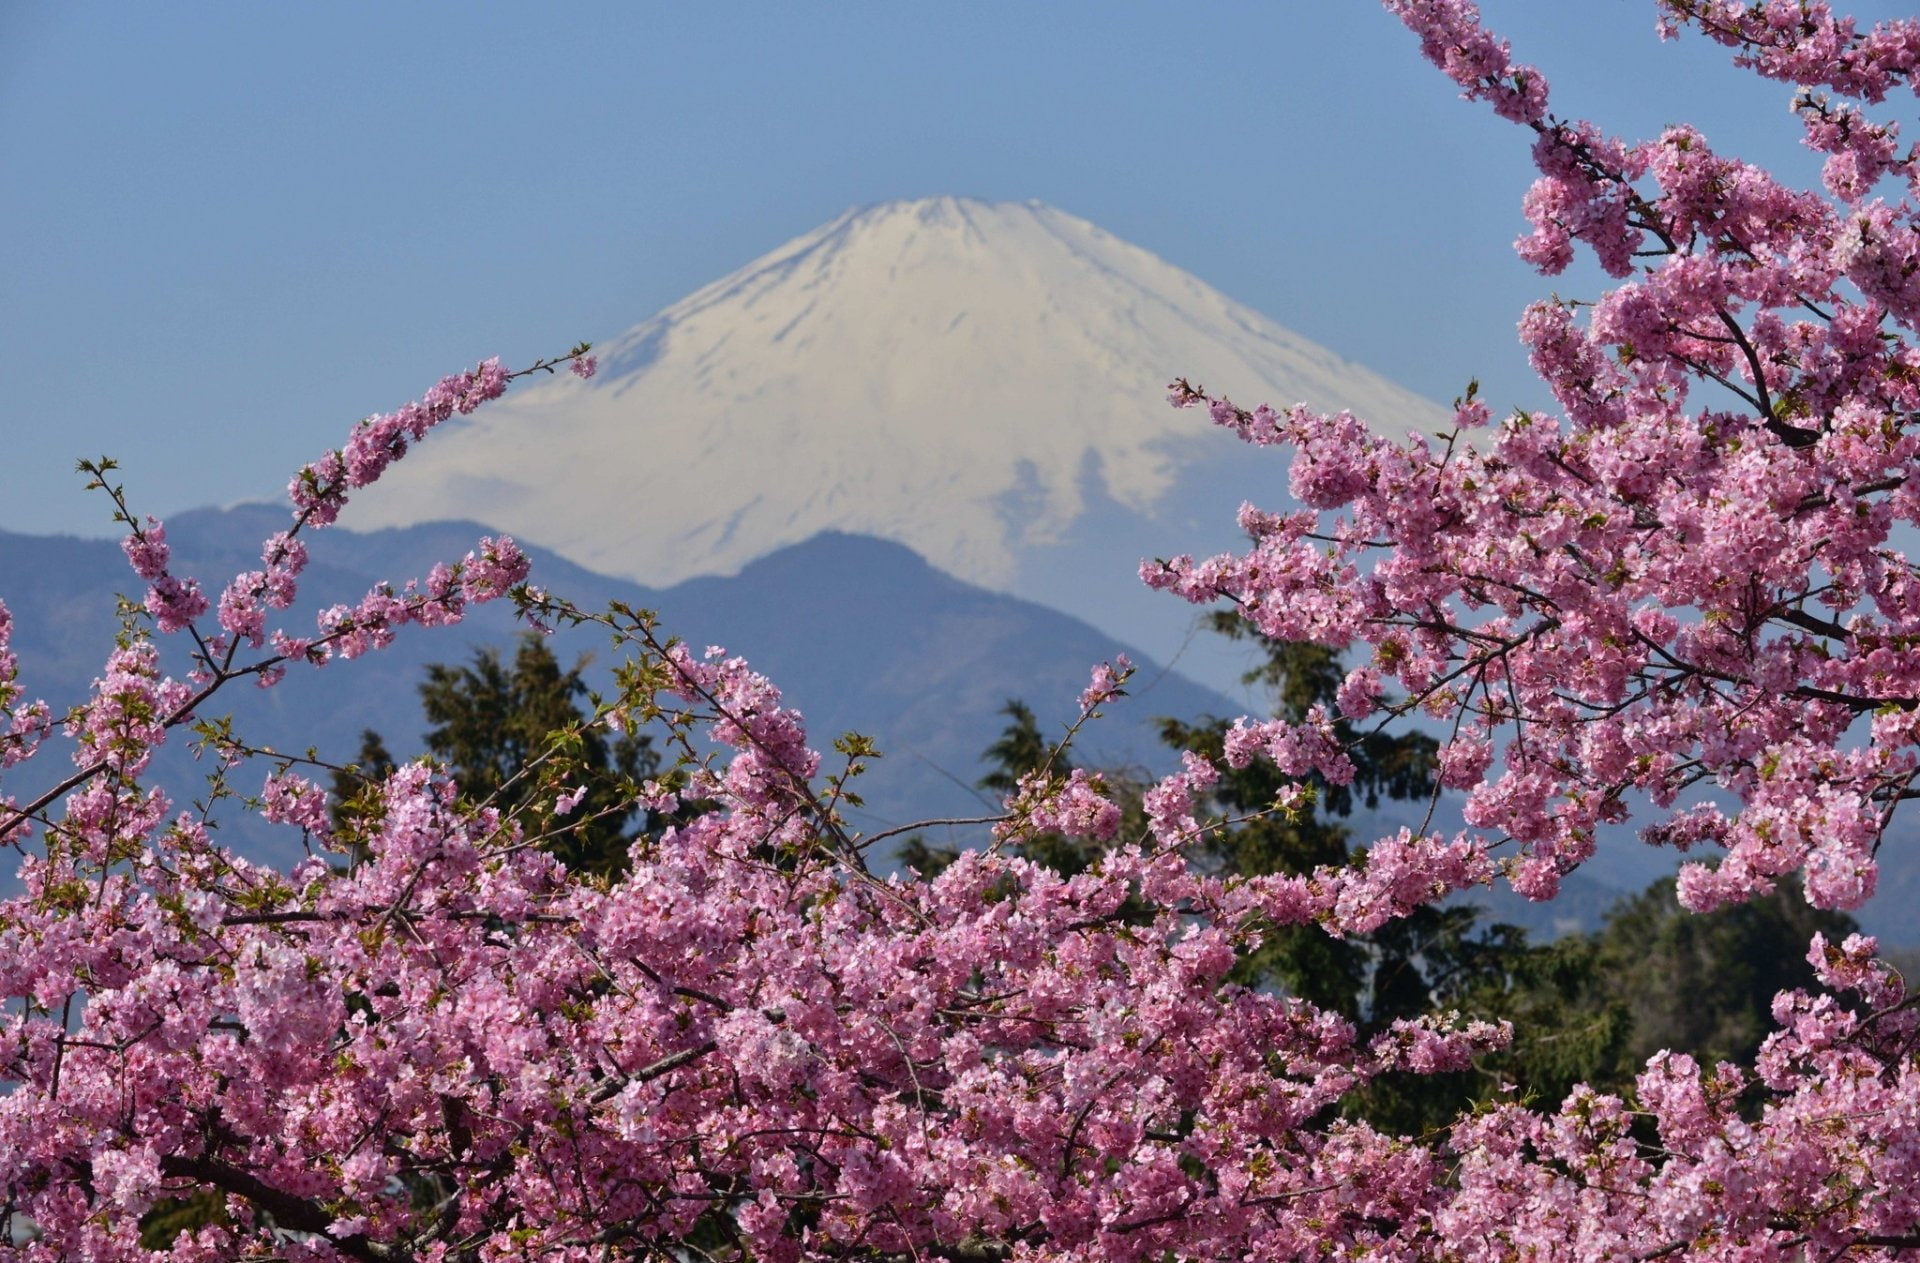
{"x":1428,"y":960}
{"x":492,"y":722}
{"x":1370,"y":979}
{"x":356,"y":787}
{"x":1021,"y":750}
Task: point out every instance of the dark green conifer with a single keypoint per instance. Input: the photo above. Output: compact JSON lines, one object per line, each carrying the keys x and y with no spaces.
{"x":493,"y":724}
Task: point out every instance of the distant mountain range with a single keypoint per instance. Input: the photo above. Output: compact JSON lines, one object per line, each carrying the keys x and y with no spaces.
{"x":861,"y":634}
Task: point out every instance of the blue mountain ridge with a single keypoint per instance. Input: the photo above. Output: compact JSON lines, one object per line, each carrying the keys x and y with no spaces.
{"x":861,"y":635}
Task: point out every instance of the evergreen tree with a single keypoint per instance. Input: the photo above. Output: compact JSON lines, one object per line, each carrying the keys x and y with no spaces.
{"x":491,"y":723}
{"x":1586,"y":1008}
{"x":1594,"y":1007}
{"x":1021,"y":750}
{"x":356,"y":787}
{"x":1435,"y":958}
{"x":1369,"y":979}
{"x":1704,"y":983}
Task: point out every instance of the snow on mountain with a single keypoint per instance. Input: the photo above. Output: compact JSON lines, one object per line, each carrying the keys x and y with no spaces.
{"x":984,"y":382}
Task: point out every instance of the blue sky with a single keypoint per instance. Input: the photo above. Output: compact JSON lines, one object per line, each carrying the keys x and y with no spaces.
{"x":227,"y":231}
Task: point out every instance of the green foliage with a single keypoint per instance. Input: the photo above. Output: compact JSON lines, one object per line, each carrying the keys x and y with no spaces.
{"x":1594,"y":1007}
{"x":356,"y":787}
{"x":1569,"y":1025}
{"x":1705,"y":984}
{"x":1437,"y":958}
{"x":929,"y":861}
{"x":508,"y":735}
{"x":1021,"y":750}
{"x":164,"y":1223}
{"x":1587,"y":1008}
{"x":1368,"y":979}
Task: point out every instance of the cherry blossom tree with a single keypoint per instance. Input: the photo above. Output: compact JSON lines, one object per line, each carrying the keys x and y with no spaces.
{"x":750,"y":1043}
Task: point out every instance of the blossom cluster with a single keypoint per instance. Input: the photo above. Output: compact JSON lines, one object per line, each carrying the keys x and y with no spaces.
{"x":1647,"y":596}
{"x":431,"y":1041}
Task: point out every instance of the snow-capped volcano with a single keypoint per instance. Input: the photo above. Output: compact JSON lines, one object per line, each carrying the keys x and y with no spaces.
{"x":972,"y":379}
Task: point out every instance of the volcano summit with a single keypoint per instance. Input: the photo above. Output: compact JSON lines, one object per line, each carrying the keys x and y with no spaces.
{"x":983,"y":382}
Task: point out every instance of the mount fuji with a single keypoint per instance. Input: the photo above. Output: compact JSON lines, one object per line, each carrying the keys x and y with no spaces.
{"x":983,"y":382}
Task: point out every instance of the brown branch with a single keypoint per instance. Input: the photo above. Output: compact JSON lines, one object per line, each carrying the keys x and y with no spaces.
{"x":287,"y":1210}
{"x":646,"y":1074}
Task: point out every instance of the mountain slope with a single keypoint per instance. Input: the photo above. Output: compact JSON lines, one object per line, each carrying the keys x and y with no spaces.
{"x":970,"y":379}
{"x":860,"y":634}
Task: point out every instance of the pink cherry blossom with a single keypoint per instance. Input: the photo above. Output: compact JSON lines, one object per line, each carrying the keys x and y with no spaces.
{"x":430,"y":1041}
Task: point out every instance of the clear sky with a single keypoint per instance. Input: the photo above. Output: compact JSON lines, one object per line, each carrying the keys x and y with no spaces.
{"x":229,"y":230}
